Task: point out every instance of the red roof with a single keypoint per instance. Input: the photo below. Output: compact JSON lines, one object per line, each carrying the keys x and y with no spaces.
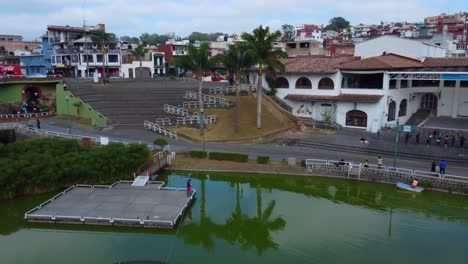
{"x":389,"y":61}
{"x":370,"y":98}
{"x":315,"y":64}
{"x":446,"y":62}
{"x":167,"y":49}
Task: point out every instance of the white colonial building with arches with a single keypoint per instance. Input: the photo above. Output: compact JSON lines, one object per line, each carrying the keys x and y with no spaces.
{"x":375,"y":92}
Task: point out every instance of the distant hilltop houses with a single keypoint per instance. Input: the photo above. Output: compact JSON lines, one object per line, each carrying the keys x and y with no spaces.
{"x":69,"y":50}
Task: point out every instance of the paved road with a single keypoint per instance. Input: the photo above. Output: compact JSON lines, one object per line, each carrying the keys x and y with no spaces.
{"x":274,"y":150}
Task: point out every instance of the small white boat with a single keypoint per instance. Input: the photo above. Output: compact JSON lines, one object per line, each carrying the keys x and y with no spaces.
{"x":408,"y":187}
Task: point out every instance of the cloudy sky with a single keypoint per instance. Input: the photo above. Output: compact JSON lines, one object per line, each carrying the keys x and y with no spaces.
{"x":133,"y":17}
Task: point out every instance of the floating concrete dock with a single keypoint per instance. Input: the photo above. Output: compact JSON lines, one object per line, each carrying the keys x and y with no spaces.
{"x":119,"y":204}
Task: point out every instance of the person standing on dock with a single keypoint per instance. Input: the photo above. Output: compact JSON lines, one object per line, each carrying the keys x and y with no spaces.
{"x":442,"y":166}
{"x":189,"y":186}
{"x":379,"y":162}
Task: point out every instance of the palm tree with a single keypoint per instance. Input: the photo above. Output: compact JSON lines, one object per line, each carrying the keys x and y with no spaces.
{"x":238,"y":60}
{"x":102,"y":39}
{"x":197,"y":60}
{"x":261,"y":44}
{"x":139,"y":53}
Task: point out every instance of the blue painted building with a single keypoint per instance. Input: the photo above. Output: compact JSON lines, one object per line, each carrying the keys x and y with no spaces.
{"x":39,"y":62}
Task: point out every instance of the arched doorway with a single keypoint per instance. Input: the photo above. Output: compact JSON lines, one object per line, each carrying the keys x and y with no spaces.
{"x":31,"y":95}
{"x":282,"y":82}
{"x":429,"y":102}
{"x":403,"y":107}
{"x":391,"y":111}
{"x":303,"y":83}
{"x":356,"y":118}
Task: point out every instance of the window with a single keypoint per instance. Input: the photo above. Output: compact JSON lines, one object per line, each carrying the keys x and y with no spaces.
{"x":391,"y":111}
{"x":326,"y":84}
{"x":425,"y":83}
{"x":113,"y":58}
{"x":88,"y":58}
{"x":303,"y":83}
{"x":282,"y":82}
{"x":464,"y":84}
{"x":362,"y":81}
{"x":99,"y":58}
{"x":450,"y":83}
{"x":392,"y":84}
{"x":356,"y":118}
{"x":404,"y":84}
{"x":403,"y":106}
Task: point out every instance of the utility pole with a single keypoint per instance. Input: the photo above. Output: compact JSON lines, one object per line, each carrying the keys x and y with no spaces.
{"x":395,"y":152}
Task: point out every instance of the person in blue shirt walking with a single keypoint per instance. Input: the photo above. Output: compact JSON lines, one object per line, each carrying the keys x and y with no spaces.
{"x":442,"y":166}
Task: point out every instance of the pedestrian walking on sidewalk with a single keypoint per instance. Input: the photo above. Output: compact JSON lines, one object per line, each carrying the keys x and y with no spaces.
{"x":433,"y":166}
{"x":446,"y":141}
{"x":442,"y":166}
{"x":462,"y":141}
{"x":407,"y":136}
{"x":38,"y":123}
{"x":378,"y":133}
{"x":418,"y":137}
{"x":379,"y":162}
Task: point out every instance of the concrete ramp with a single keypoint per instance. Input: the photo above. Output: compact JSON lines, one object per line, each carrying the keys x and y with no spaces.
{"x":140,"y":181}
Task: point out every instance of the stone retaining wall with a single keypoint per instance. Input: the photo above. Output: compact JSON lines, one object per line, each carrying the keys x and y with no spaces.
{"x":370,"y":174}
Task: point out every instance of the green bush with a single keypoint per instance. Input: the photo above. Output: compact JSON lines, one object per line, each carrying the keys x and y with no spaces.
{"x":426,"y":184}
{"x":303,"y":163}
{"x":160,"y":142}
{"x":229,"y":156}
{"x":198,"y":154}
{"x":263,"y":159}
{"x":44,"y":165}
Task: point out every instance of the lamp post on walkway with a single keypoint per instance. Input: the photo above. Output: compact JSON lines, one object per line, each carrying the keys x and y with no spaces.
{"x":68,"y":114}
{"x":202,"y":128}
{"x":395,"y":152}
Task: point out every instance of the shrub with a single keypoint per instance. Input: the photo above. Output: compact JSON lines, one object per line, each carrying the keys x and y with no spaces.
{"x":160,"y":142}
{"x":263,"y":159}
{"x":198,"y":154}
{"x":229,"y":156}
{"x":303,"y":163}
{"x":426,"y":184}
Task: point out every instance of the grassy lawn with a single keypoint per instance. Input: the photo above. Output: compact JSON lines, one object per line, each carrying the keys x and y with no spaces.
{"x":272,"y":121}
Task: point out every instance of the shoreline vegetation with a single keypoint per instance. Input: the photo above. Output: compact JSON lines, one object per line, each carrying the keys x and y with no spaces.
{"x":42,"y":165}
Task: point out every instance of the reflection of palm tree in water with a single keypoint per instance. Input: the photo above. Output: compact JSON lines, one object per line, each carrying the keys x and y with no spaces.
{"x":247,"y":231}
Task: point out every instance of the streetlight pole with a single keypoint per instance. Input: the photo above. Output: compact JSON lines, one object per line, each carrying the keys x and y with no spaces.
{"x":68,"y":114}
{"x":395,"y":152}
{"x":202,"y":127}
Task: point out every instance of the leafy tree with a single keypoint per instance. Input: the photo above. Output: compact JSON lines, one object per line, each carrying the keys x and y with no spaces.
{"x":102,"y":38}
{"x":160,"y":142}
{"x":238,"y":60}
{"x":261,"y":44}
{"x":134,"y":40}
{"x":139,"y":53}
{"x":288,"y":31}
{"x":337,"y":24}
{"x":198,"y":36}
{"x":154,"y":39}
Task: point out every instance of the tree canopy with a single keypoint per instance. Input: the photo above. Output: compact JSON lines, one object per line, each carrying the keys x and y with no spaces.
{"x":204,"y":36}
{"x":154,"y":39}
{"x":337,"y":24}
{"x":288,"y":31}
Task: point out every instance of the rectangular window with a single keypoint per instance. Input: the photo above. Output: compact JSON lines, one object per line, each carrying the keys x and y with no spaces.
{"x":426,"y":83}
{"x":392,"y":84}
{"x":99,"y":58}
{"x":113,"y":58}
{"x":88,"y":58}
{"x":404,"y":84}
{"x":449,"y":83}
{"x":464,"y":84}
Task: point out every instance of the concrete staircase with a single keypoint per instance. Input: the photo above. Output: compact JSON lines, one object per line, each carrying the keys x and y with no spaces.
{"x":418,"y":117}
{"x":131,"y":102}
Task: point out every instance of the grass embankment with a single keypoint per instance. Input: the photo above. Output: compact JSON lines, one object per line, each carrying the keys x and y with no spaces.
{"x":273,"y":121}
{"x":74,"y":119}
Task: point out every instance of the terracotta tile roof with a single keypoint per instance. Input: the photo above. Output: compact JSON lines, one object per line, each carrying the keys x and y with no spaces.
{"x":385,"y":62}
{"x":315,"y":64}
{"x":446,"y":62}
{"x":336,"y":98}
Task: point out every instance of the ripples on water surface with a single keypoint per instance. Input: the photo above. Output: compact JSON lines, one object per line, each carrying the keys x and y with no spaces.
{"x":263,"y":219}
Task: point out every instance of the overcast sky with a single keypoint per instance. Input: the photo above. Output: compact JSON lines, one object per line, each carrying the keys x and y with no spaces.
{"x":30,"y":17}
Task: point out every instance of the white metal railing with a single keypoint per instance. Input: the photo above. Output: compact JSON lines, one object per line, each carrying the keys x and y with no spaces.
{"x":222,"y":90}
{"x":311,"y":162}
{"x":163,"y":121}
{"x":159,"y":129}
{"x":207,"y":98}
{"x":30,"y":115}
{"x":176,"y":110}
{"x":195,"y":119}
{"x":194,"y":104}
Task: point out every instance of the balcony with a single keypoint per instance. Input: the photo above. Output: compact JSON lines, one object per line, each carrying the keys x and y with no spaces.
{"x":67,"y":51}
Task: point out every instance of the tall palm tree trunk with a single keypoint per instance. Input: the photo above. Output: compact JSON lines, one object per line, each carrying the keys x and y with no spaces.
{"x":202,"y":115}
{"x":141,"y":67}
{"x":237,"y":100}
{"x":259,"y":97}
{"x":103,"y":65}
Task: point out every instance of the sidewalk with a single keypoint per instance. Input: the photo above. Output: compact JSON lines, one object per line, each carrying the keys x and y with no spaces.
{"x":274,"y":151}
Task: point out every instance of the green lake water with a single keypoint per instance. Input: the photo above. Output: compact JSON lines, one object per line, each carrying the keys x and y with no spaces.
{"x":238,"y":218}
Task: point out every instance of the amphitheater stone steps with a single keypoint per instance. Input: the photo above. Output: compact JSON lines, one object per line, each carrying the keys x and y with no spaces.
{"x":131,"y":102}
